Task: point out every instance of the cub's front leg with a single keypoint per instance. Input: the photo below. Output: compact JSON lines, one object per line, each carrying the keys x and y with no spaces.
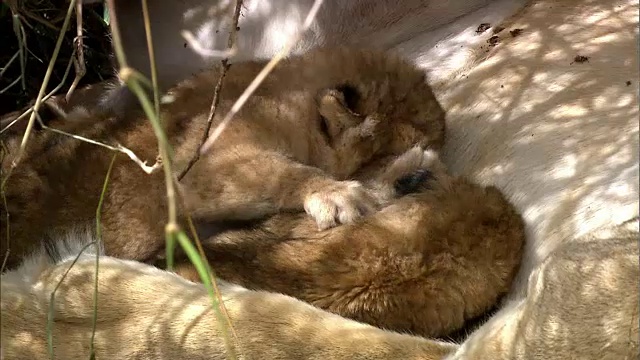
{"x":245,"y":182}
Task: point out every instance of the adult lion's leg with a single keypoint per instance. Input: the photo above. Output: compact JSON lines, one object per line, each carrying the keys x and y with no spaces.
{"x":146,"y":313}
{"x":550,"y":322}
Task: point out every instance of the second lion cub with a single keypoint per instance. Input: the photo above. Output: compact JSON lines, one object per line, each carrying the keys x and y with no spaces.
{"x":441,"y":251}
{"x":278,"y":154}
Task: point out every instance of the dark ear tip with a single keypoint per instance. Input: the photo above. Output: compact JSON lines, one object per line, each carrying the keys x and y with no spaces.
{"x":412,"y":182}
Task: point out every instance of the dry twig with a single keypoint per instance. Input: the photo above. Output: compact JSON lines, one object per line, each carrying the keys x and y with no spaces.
{"x":216,"y":91}
{"x":42,"y":90}
{"x":78,"y":60}
{"x":260,"y":78}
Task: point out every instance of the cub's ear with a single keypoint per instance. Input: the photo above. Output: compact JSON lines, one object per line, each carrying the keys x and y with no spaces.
{"x":335,"y":115}
{"x":413,"y":182}
{"x":351,"y":96}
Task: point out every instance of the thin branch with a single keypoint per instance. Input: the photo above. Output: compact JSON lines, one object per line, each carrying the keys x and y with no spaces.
{"x":20,"y":35}
{"x":132,"y":81}
{"x":52,"y":297}
{"x":40,"y":20}
{"x":261,"y":76}
{"x":44,"y":99}
{"x":78,"y":60}
{"x":216,"y":91}
{"x":143,"y":164}
{"x":119,"y":148}
{"x":98,"y":244}
{"x":216,"y":289}
{"x":115,"y":35}
{"x":152,"y":57}
{"x":13,"y":83}
{"x":6,"y":66}
{"x":41,"y":92}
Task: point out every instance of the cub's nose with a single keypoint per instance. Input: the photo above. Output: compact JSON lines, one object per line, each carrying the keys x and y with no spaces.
{"x":413,"y":182}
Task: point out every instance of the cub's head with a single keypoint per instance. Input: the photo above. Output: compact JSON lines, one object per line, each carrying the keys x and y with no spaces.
{"x":363,"y":84}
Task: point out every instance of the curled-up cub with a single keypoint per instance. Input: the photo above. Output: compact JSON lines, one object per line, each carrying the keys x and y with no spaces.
{"x":278,"y":153}
{"x":442,"y":253}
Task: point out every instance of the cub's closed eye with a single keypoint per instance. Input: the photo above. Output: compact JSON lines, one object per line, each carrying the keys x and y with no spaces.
{"x":351,"y":96}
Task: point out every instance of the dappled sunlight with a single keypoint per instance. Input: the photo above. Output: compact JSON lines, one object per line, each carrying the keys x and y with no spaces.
{"x":559,"y":136}
{"x":549,"y":116}
{"x":448,"y":50}
{"x":591,"y":314}
{"x":148,"y":313}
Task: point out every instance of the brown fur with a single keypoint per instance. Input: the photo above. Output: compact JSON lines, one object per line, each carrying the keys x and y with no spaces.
{"x":424,"y":264}
{"x":275,"y":155}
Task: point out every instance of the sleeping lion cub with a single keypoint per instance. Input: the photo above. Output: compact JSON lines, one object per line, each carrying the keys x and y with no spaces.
{"x":278,"y":154}
{"x":424,"y":264}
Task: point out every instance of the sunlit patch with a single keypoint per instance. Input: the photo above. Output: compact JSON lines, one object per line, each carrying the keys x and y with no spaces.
{"x":260,"y":7}
{"x":540,"y":77}
{"x":604,"y":100}
{"x":620,"y":190}
{"x":569,"y":110}
{"x":490,"y":62}
{"x":625,"y":100}
{"x":282,"y":31}
{"x":567,"y":28}
{"x":191,"y":13}
{"x":204,"y":36}
{"x":498,"y":169}
{"x":527,"y":43}
{"x":608,"y":201}
{"x":555,"y":55}
{"x":597,"y":17}
{"x":566,"y":167}
{"x":167,"y":99}
{"x":606,"y":38}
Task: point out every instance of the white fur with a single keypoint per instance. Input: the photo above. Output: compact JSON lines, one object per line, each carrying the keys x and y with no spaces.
{"x":148,"y":313}
{"x":267,"y":25}
{"x":560,"y":138}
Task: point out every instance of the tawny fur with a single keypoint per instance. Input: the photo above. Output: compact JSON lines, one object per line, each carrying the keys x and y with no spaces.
{"x":561,"y":140}
{"x":423,"y":265}
{"x":274,"y":156}
{"x":147,"y":313}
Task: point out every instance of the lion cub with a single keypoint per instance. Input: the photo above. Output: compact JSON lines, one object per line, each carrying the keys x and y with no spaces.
{"x":441,"y":253}
{"x":278,"y":154}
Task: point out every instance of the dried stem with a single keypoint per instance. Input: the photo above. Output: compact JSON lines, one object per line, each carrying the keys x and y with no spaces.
{"x":128,"y":76}
{"x":119,"y":148}
{"x":260,"y":77}
{"x":216,"y":91}
{"x":152,"y":57}
{"x":6,"y":66}
{"x":78,"y":60}
{"x":172,"y":229}
{"x":42,"y":90}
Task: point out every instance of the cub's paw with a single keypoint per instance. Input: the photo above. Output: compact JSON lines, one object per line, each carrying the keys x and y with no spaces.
{"x":340,"y":202}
